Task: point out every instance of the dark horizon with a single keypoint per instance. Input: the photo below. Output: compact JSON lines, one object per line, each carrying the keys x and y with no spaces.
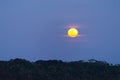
{"x":89,"y":60}
{"x":20,"y":69}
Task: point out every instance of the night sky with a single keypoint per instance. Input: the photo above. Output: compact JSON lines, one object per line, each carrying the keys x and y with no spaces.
{"x":36,"y":29}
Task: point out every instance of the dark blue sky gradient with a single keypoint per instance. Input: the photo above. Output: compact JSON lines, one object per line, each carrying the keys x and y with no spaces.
{"x":35,"y":29}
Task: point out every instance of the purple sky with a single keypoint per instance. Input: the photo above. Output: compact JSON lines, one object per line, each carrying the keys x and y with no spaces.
{"x":35,"y":29}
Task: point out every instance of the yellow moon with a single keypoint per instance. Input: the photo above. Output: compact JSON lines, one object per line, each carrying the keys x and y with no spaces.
{"x":72,"y":32}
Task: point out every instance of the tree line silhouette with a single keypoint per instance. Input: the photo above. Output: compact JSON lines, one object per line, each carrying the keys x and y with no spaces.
{"x":21,"y":69}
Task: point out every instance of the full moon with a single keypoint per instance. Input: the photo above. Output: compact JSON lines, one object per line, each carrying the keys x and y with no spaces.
{"x":72,"y":32}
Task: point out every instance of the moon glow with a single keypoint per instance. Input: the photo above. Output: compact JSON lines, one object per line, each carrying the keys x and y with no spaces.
{"x":72,"y":32}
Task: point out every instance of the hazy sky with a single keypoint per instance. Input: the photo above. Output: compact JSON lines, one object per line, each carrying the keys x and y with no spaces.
{"x":35,"y":29}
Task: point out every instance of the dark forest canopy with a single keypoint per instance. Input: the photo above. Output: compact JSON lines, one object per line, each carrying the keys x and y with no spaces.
{"x":21,"y":69}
